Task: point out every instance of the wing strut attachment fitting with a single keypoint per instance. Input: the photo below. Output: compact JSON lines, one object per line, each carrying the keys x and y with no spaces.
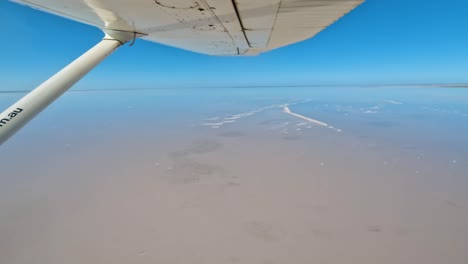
{"x":20,"y":113}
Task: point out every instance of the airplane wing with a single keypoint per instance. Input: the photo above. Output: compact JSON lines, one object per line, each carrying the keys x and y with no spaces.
{"x":215,"y":27}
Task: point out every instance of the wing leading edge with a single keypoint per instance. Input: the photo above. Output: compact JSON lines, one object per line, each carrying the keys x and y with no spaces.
{"x":215,"y":27}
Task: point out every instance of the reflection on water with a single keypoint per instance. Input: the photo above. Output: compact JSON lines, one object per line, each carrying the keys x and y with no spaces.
{"x":229,"y":176}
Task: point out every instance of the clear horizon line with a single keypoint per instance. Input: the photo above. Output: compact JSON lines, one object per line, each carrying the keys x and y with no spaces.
{"x":433,"y":85}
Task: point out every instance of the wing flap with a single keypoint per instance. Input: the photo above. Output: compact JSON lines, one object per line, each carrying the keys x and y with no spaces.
{"x":300,"y":20}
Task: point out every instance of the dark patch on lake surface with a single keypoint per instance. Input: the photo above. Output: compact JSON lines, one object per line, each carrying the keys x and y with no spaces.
{"x":204,"y":146}
{"x":231,"y":134}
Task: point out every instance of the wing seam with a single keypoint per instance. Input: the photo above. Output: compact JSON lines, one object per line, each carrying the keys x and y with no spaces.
{"x":240,"y":22}
{"x":274,"y":24}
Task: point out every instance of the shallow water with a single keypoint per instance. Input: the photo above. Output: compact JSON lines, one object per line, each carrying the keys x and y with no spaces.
{"x":229,"y":176}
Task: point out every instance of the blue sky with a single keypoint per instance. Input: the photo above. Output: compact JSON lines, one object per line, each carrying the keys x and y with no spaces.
{"x":381,"y":42}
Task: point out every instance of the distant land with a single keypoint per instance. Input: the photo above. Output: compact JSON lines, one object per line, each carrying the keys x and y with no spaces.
{"x":462,"y":85}
{"x":443,"y":85}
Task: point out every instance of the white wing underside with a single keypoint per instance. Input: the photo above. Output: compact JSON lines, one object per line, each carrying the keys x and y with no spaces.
{"x":215,"y":27}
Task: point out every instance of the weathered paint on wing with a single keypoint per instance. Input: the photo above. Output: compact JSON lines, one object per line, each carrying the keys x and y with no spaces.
{"x":216,"y":27}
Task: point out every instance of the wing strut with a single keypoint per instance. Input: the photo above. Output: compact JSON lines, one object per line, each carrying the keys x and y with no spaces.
{"x":20,"y":113}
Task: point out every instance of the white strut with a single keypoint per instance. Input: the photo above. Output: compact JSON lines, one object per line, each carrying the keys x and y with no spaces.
{"x":20,"y":113}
